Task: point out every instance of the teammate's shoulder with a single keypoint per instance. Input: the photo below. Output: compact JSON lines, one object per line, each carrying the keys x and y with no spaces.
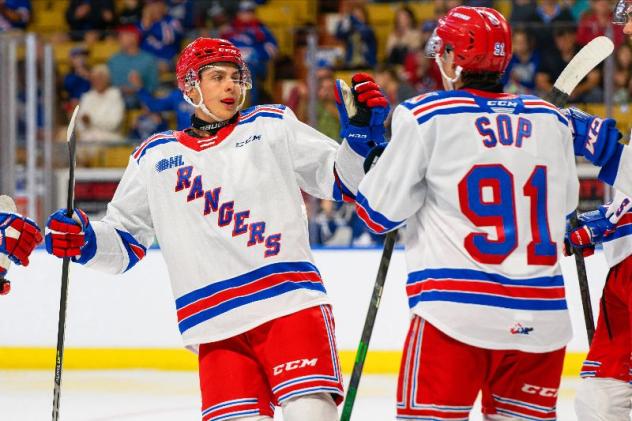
{"x":437,"y":97}
{"x":534,"y":104}
{"x":425,"y":107}
{"x":268,"y":111}
{"x":152,"y":142}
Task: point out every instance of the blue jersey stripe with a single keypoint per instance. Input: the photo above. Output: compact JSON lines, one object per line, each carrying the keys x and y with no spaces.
{"x":262,"y":114}
{"x":544,"y":110}
{"x":243,"y":279}
{"x":466,"y":109}
{"x":153,"y":145}
{"x":488,"y":300}
{"x":375,"y":215}
{"x":477,"y":275}
{"x":620,"y":232}
{"x":437,"y":96}
{"x":340,"y":190}
{"x":207,"y":314}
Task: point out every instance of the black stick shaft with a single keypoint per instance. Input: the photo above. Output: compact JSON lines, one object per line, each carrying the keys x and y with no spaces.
{"x":559,"y":99}
{"x":369,"y":322}
{"x":584,"y":290}
{"x":61,"y":326}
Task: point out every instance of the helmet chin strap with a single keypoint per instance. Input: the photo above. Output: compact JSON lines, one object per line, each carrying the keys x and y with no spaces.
{"x":203,"y":106}
{"x":449,"y":80}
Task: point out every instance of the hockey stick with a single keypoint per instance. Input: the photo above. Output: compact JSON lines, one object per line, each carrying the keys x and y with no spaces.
{"x":584,"y":61}
{"x":8,"y":205}
{"x":389,"y":242}
{"x":369,"y":322}
{"x":70,"y":205}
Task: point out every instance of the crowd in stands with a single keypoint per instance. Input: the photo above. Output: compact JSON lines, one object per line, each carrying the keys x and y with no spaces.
{"x":137,"y":77}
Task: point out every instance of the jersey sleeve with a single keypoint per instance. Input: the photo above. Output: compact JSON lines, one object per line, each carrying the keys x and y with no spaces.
{"x":323,"y":168}
{"x":125,"y":233}
{"x":621,"y":203}
{"x":618,"y":171}
{"x":394,"y":189}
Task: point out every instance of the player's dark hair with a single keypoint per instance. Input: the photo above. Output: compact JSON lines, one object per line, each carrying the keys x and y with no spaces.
{"x":483,"y":81}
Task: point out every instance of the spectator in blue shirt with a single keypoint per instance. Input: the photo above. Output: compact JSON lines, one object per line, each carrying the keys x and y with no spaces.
{"x":519,"y":78}
{"x":132,"y":58}
{"x":77,"y":81}
{"x":160,"y":33}
{"x":14,"y":14}
{"x":257,"y":44}
{"x":182,"y":10}
{"x":173,"y":101}
{"x":359,"y":39}
{"x":146,"y":125}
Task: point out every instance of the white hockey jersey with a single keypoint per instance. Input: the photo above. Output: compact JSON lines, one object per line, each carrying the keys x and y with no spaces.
{"x":484,"y":183}
{"x":229,"y":216}
{"x":618,"y":246}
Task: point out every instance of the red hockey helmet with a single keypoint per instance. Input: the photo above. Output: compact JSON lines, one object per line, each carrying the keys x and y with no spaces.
{"x":203,"y":52}
{"x":479,"y":37}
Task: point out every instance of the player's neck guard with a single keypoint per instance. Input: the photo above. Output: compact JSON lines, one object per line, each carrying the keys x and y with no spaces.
{"x":211,"y":127}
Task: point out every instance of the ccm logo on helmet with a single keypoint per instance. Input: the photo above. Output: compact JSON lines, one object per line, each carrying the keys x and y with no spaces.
{"x":461,"y":16}
{"x":547,"y":392}
{"x":293,"y":365}
{"x":228,"y":50}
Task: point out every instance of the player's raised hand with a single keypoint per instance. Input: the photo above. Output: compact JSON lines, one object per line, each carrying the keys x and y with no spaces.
{"x":363,"y":110}
{"x":594,"y":227}
{"x":18,"y":237}
{"x":70,"y":236}
{"x":594,"y":138}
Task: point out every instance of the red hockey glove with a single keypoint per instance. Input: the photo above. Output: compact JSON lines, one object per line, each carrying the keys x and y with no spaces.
{"x":18,"y":237}
{"x":70,"y":236}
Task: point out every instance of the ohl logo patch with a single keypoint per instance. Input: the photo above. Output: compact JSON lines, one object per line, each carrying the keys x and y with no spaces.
{"x":519,"y":329}
{"x":171,"y":162}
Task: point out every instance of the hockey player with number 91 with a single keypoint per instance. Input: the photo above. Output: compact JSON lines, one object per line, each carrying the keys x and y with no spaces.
{"x":223,"y":198}
{"x":484,"y":182}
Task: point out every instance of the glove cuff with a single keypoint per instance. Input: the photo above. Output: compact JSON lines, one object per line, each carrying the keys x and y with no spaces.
{"x":89,"y":249}
{"x":363,"y":139}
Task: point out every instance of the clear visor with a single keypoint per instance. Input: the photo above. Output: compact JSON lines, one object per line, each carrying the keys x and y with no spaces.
{"x":433,"y":45}
{"x":622,"y":12}
{"x":244,"y":78}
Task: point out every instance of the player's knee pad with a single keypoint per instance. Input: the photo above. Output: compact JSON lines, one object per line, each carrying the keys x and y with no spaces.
{"x":603,"y":399}
{"x":316,"y":407}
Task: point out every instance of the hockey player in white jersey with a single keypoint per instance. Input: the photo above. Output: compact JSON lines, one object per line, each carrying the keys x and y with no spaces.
{"x":483,"y":182}
{"x":605,"y":394}
{"x":223,"y":199}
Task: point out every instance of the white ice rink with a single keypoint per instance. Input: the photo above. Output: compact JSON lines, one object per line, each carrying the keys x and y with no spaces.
{"x":169,"y":396}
